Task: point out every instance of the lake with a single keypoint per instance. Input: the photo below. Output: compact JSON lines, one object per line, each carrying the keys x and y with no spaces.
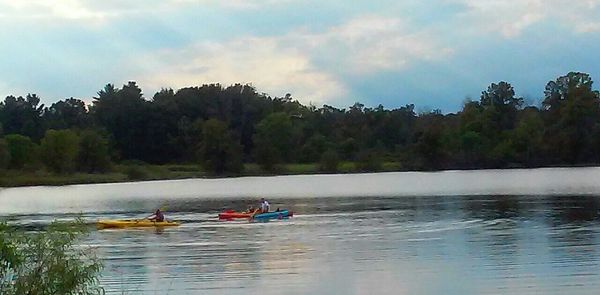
{"x":456,"y":232}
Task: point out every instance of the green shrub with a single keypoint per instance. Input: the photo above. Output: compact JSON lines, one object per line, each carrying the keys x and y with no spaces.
{"x":59,"y":150}
{"x":368,"y":161}
{"x":47,"y":262}
{"x":136,"y":172}
{"x":329,"y":161}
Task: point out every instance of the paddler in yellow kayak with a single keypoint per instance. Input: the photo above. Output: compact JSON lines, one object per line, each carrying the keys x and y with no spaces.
{"x":158,"y":216}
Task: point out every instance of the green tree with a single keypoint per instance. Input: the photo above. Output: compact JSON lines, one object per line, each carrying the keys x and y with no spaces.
{"x":59,"y":150}
{"x":500,"y":109}
{"x":20,"y":115}
{"x":189,"y":138}
{"x":93,"y":152}
{"x":47,"y":262}
{"x":572,"y":111}
{"x":21,"y":149}
{"x":4,"y":154}
{"x":472,"y":149}
{"x":68,"y":113}
{"x":501,"y":95}
{"x":127,"y":116}
{"x":528,"y":137}
{"x":429,"y":136}
{"x":429,"y":147}
{"x":272,"y":141}
{"x":314,"y":147}
{"x":219,"y":152}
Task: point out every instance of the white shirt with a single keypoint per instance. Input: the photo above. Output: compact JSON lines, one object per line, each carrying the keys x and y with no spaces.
{"x":264,"y":206}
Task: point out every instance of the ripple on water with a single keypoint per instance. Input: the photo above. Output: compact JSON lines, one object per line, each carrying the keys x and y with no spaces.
{"x":424,"y":245}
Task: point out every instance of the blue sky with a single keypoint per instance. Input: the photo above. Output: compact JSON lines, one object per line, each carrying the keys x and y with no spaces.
{"x":433,"y":53}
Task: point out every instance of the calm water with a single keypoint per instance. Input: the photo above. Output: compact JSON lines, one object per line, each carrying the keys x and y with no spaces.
{"x":521,"y":244}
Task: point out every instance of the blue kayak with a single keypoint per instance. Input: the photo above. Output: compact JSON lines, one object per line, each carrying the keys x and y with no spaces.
{"x":274,"y":215}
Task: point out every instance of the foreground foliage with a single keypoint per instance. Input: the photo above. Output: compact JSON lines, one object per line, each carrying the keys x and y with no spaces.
{"x":47,"y":262}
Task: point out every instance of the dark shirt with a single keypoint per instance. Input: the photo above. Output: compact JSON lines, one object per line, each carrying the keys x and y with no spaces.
{"x":159,"y":217}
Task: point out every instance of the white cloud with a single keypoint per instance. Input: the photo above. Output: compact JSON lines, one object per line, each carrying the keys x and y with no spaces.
{"x":93,"y":12}
{"x":308,"y":65}
{"x":371,"y":43}
{"x":236,"y":4}
{"x":259,"y":61}
{"x":588,"y":27}
{"x":62,"y":9}
{"x":512,"y":17}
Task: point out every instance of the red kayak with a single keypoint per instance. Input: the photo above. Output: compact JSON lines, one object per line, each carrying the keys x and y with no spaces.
{"x":231,"y":214}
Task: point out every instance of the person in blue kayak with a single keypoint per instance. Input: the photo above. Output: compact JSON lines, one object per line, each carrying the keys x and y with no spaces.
{"x":264,"y":205}
{"x":158,"y":216}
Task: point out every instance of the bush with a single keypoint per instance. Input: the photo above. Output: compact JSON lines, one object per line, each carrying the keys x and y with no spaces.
{"x":368,"y":161}
{"x":136,"y":172}
{"x":47,"y":262}
{"x":329,"y":161}
{"x":59,"y":150}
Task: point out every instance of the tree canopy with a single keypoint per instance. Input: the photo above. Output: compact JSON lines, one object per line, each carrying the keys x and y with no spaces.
{"x":223,"y":127}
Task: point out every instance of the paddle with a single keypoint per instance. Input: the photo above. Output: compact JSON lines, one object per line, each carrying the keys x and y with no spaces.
{"x":254,"y":214}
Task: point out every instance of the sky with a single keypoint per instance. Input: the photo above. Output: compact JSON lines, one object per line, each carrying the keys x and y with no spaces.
{"x":433,"y":53}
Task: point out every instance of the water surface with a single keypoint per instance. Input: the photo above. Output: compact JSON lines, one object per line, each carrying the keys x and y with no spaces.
{"x":389,"y":244}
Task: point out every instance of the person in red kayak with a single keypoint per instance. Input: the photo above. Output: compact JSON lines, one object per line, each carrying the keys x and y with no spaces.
{"x":158,"y":216}
{"x":264,"y":205}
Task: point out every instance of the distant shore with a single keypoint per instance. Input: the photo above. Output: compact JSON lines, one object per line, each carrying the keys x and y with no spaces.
{"x":135,"y":172}
{"x":128,"y":173}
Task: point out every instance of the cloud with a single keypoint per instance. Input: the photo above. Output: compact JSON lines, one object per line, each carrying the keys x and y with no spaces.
{"x":371,"y":43}
{"x":512,"y":17}
{"x":252,"y":4}
{"x":259,"y":61}
{"x":62,"y":9}
{"x":85,"y":10}
{"x":589,"y":27}
{"x":237,"y":4}
{"x":307,"y":64}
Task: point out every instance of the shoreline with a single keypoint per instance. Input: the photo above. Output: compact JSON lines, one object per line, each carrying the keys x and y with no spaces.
{"x":16,"y":179}
{"x":123,"y":173}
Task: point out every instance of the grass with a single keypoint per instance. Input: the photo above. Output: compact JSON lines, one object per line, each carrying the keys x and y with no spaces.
{"x":139,"y":171}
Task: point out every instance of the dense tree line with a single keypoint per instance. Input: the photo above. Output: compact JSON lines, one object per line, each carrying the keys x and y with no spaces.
{"x":224,"y":127}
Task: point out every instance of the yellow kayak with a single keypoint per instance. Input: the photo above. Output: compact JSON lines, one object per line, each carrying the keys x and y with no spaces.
{"x":101,"y":224}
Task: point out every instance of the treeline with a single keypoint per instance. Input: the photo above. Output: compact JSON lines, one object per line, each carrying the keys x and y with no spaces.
{"x":224,"y":127}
